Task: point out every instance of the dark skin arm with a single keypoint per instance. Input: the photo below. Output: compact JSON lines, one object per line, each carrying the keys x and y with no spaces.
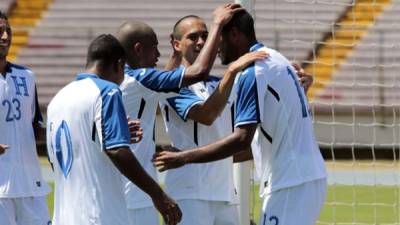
{"x":239,"y":140}
{"x":208,"y":111}
{"x":40,"y":132}
{"x":130,"y":167}
{"x":201,"y":68}
{"x":243,"y":156}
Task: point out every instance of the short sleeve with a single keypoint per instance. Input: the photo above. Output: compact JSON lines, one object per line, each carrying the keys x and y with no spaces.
{"x":158,"y":80}
{"x":184,"y":102}
{"x":114,"y":124}
{"x":247,"y":111}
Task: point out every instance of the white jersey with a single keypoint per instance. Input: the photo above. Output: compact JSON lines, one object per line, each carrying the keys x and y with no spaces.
{"x":85,"y":119}
{"x":20,"y":172}
{"x":284,"y":146}
{"x":141,"y":90}
{"x":204,"y":181}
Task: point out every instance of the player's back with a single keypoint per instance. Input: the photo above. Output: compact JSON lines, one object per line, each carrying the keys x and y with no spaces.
{"x":88,"y":187}
{"x":284,"y":143}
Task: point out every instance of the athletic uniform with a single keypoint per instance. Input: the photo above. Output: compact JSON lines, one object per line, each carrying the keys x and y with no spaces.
{"x":142,"y":89}
{"x":293,"y":176}
{"x":22,"y":189}
{"x":205,"y":190}
{"x":85,"y":119}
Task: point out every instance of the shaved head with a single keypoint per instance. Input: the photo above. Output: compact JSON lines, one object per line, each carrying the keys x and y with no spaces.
{"x":178,"y":31}
{"x":132,"y":33}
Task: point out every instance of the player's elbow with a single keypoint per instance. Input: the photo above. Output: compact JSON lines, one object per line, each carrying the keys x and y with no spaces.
{"x":242,"y":142}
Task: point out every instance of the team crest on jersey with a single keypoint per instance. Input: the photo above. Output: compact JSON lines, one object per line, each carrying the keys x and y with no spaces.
{"x":63,"y":149}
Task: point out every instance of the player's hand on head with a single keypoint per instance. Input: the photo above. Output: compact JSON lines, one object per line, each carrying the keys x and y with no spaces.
{"x":246,"y":59}
{"x":305,"y":78}
{"x":166,"y":160}
{"x":168,"y":208}
{"x":135,"y":130}
{"x":3,"y":148}
{"x":223,"y":14}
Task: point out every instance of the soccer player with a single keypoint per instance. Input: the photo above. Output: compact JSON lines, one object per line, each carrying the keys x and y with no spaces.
{"x":189,"y":119}
{"x":22,"y":189}
{"x":88,"y":142}
{"x":144,"y":86}
{"x":271,"y":116}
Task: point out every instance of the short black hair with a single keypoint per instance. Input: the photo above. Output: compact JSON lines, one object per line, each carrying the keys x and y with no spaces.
{"x":106,"y":50}
{"x":244,"y":22}
{"x":175,"y":32}
{"x":3,"y":15}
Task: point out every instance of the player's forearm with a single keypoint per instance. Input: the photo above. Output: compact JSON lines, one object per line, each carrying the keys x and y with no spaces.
{"x":208,"y":112}
{"x":40,"y":132}
{"x":243,"y":156}
{"x":201,"y":68}
{"x":239,"y":140}
{"x":130,"y":167}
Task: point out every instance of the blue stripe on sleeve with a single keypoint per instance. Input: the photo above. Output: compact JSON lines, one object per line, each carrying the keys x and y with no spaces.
{"x":184,"y":102}
{"x":114,"y":120}
{"x":247,"y":99}
{"x":158,"y":80}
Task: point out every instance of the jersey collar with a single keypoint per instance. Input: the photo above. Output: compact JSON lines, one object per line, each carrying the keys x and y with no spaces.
{"x":256,"y":46}
{"x":82,"y":76}
{"x":8,"y":70}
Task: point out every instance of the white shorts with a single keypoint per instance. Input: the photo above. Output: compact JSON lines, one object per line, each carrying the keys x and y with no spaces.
{"x":147,"y":216}
{"x":24,"y":211}
{"x":200,"y":212}
{"x":298,"y":205}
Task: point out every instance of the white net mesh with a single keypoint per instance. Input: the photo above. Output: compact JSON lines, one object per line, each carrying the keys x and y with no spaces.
{"x":352,"y":49}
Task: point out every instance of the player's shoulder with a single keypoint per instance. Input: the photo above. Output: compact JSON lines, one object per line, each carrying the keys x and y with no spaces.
{"x":21,"y":70}
{"x":104,"y":86}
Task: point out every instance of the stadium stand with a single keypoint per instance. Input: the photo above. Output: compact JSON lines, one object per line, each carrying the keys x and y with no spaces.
{"x":56,"y":48}
{"x":369,"y":77}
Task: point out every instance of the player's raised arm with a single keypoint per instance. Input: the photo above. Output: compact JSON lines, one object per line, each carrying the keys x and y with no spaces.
{"x":201,"y":68}
{"x":128,"y":165}
{"x":207,"y":112}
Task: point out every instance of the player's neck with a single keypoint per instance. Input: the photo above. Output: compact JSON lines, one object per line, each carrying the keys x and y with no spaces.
{"x":3,"y":66}
{"x":186,"y":63}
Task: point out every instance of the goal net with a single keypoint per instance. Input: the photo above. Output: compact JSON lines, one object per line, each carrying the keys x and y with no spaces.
{"x":352,"y":49}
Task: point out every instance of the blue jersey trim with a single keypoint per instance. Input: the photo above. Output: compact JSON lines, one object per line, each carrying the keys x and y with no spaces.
{"x":158,"y":80}
{"x":184,"y":102}
{"x":10,"y":65}
{"x":247,"y":108}
{"x":256,"y":46}
{"x":114,"y":122}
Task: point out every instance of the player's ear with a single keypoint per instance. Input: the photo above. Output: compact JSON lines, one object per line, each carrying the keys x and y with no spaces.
{"x":138,"y":48}
{"x":176,"y":45}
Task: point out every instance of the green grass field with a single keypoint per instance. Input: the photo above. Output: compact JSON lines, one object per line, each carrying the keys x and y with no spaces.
{"x":347,"y":205}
